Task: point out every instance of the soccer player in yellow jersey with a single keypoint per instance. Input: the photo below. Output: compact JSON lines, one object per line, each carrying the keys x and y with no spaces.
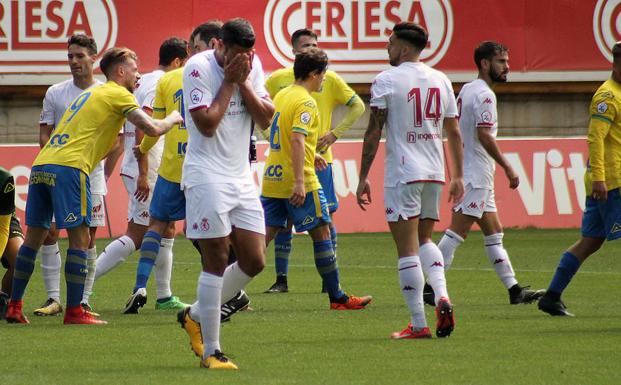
{"x":291,"y":189}
{"x":59,"y":177}
{"x":602,"y":213}
{"x":333,"y":93}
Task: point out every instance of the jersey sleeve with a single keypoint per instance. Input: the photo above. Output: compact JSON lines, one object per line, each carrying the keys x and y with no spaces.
{"x":305,"y":117}
{"x":47,"y":112}
{"x":124,"y":102}
{"x":7,"y":193}
{"x":603,"y":112}
{"x":197,"y":92}
{"x":451,"y":104}
{"x":341,"y":91}
{"x":380,"y":91}
{"x":159,"y":102}
{"x":484,"y":110}
{"x":149,"y":100}
{"x":258,"y":78}
{"x":271,"y":85}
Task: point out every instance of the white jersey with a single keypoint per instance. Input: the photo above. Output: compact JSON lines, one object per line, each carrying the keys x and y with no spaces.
{"x":145,"y":94}
{"x":477,"y":105}
{"x":418,"y":98}
{"x":223,"y":158}
{"x":57,"y":99}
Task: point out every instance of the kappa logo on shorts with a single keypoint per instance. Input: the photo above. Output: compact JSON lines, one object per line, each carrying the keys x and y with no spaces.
{"x":144,"y":214}
{"x":308,"y":220}
{"x":437,"y":264}
{"x":204,"y":224}
{"x":71,"y":218}
{"x":96,"y":209}
{"x":615,"y":228}
{"x":473,"y":205}
{"x":9,"y":187}
{"x":389,"y":210}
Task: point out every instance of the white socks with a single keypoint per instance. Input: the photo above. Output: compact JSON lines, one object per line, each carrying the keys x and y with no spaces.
{"x":412,"y":282}
{"x":163,"y":268}
{"x":115,"y":253}
{"x":209,"y":293}
{"x":448,"y":244}
{"x":91,"y":257}
{"x":433,"y":267}
{"x":234,"y":281}
{"x":50,"y":269}
{"x":499,"y":259}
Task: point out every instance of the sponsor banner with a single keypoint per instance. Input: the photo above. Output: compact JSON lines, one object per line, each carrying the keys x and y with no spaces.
{"x":354,"y":33}
{"x":551,"y":192}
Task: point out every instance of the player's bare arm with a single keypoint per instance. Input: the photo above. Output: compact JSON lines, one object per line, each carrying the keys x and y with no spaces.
{"x":489,"y":144}
{"x":154,"y":127}
{"x":45,"y":131}
{"x":113,"y":156}
{"x":297,"y":160}
{"x":456,"y":150}
{"x":369,"y":149}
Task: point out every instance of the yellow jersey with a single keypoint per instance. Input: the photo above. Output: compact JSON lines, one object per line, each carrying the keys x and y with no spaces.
{"x":334,"y":92}
{"x":295,"y":111}
{"x":604,"y":137}
{"x":89,"y":127}
{"x":168,"y":98}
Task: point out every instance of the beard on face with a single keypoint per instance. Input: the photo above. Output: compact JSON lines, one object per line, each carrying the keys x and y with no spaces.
{"x":497,"y":77}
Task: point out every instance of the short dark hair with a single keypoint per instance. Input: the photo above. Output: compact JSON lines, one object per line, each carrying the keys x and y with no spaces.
{"x":309,"y":60}
{"x":207,"y":31}
{"x":411,"y":33}
{"x":616,"y":51}
{"x":171,"y":49}
{"x":238,"y":32}
{"x":115,"y":56}
{"x":302,"y":32}
{"x":83,"y":41}
{"x":487,"y":50}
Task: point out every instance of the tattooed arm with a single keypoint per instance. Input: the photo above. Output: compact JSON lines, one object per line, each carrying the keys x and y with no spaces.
{"x":369,"y":148}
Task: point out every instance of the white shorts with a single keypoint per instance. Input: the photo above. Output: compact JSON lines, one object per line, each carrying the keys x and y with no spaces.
{"x":476,"y":202}
{"x":413,"y":200}
{"x":137,"y":211}
{"x":98,"y":212}
{"x":213,"y":209}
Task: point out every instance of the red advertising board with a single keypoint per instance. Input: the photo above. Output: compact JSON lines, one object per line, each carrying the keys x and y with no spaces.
{"x":564,"y":40}
{"x":551,"y":192}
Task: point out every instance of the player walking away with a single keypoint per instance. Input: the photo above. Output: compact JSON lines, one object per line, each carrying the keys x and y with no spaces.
{"x":334,"y":92}
{"x":223,"y":93}
{"x":291,"y":189}
{"x":139,"y":184}
{"x":415,"y":102}
{"x":602,"y":213}
{"x":59,"y":183}
{"x":478,"y":123}
{"x":81,"y":52}
{"x":11,"y":237}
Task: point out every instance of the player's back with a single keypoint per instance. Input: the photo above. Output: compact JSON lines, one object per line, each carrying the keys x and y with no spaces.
{"x":295,"y":111}
{"x":418,"y":98}
{"x":88,"y":128}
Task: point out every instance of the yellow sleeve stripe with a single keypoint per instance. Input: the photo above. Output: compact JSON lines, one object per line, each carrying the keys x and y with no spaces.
{"x":351,"y":100}
{"x":300,"y":130}
{"x":603,"y":118}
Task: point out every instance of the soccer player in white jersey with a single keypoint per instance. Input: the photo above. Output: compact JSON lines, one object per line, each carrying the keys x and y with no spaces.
{"x":223,"y":93}
{"x":173,"y":53}
{"x":415,"y":102}
{"x":81,"y":53}
{"x":479,"y":124}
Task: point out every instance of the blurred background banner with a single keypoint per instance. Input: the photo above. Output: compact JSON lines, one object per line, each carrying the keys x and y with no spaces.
{"x":561,"y":40}
{"x":551,"y":192}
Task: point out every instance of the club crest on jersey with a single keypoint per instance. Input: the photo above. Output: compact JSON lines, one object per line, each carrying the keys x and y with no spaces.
{"x":196,"y":95}
{"x":305,"y":117}
{"x":602,"y":107}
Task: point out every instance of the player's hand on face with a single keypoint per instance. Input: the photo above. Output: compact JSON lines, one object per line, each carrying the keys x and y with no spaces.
{"x":320,"y":163}
{"x":456,"y":190}
{"x":142,"y":188}
{"x":600,"y":191}
{"x":363,"y":194}
{"x":234,"y":68}
{"x":298,"y":196}
{"x":325,"y":141}
{"x":514,"y":179}
{"x":245,"y":66}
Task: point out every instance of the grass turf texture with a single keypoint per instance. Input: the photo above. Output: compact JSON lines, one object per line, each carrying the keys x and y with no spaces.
{"x":294,"y":339}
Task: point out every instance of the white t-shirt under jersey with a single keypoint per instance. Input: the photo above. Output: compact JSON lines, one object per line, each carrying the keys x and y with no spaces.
{"x":477,"y":105}
{"x":57,"y":99}
{"x":145,"y":94}
{"x":418,"y":98}
{"x":223,"y":158}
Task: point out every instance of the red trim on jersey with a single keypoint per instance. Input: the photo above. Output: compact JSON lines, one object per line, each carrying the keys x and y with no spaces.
{"x":147,"y":108}
{"x":127,"y":176}
{"x":485,"y":124}
{"x":198,"y":108}
{"x":424,"y":181}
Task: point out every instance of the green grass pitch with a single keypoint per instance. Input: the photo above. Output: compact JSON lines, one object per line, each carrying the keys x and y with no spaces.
{"x":294,"y":339}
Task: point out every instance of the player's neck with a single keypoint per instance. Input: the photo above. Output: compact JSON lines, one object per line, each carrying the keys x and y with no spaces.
{"x":306,"y":84}
{"x":83,"y":82}
{"x":490,"y":83}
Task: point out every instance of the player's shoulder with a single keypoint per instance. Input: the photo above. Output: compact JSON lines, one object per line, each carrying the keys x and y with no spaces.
{"x":59,"y":88}
{"x":608,"y":91}
{"x":280,"y":75}
{"x":4,"y":175}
